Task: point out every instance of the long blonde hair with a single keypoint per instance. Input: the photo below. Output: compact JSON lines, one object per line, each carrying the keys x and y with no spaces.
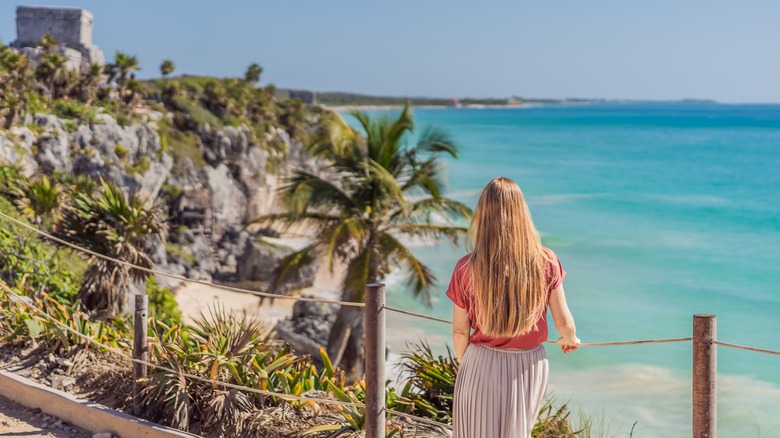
{"x":508,"y":262}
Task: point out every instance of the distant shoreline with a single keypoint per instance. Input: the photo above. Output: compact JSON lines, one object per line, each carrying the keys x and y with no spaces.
{"x":338,"y":108}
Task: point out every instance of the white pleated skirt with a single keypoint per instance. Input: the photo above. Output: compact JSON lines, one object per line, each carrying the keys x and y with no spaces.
{"x":499,"y":392}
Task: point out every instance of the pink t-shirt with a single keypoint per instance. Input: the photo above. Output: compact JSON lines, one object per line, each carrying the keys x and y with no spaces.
{"x":460,"y":293}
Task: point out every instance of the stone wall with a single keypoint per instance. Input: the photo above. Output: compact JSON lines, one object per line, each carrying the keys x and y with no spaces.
{"x":71,"y":26}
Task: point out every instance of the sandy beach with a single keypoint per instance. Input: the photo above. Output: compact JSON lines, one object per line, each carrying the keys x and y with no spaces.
{"x":195,"y":298}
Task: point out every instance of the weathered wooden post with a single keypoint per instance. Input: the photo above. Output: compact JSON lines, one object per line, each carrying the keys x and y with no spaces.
{"x":705,"y":370}
{"x":375,"y":360}
{"x":140,"y":347}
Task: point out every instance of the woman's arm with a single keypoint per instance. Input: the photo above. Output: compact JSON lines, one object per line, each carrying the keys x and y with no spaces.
{"x":461,"y":328}
{"x":564,"y":321}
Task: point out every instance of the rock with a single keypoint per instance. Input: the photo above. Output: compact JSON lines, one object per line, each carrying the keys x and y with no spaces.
{"x":258,"y":262}
{"x":53,"y":154}
{"x":63,"y":383}
{"x":16,"y":150}
{"x":227,"y":200}
{"x":102,"y":435}
{"x":308,"y":328}
{"x":61,"y":361}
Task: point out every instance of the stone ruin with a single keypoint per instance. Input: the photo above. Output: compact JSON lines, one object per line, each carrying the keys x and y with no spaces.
{"x":72,"y":27}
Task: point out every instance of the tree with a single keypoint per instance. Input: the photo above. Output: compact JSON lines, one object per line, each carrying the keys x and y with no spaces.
{"x":48,"y":43}
{"x":52,"y":70}
{"x":166,"y":68}
{"x":124,"y":65}
{"x":116,"y":225}
{"x":16,"y":84}
{"x":252,"y":74}
{"x":40,"y":201}
{"x":87,"y":87}
{"x":380,"y":189}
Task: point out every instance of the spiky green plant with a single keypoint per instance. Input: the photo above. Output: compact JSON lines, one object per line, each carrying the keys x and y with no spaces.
{"x":430,"y":383}
{"x":115,"y":225}
{"x":40,"y":200}
{"x":362,"y":208}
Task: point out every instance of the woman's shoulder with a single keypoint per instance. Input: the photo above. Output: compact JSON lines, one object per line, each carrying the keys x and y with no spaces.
{"x":463,"y":261}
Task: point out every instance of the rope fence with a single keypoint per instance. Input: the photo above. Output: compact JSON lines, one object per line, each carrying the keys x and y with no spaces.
{"x":174,"y":276}
{"x":742,"y":347}
{"x":703,"y":343}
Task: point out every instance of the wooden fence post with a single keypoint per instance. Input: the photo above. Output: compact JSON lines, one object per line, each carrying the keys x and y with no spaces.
{"x":705,"y":370}
{"x":140,"y":347}
{"x":375,"y":360}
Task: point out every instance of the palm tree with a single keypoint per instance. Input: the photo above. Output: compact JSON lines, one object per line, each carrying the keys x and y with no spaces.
{"x":381,"y":189}
{"x":16,"y":82}
{"x":121,"y":69}
{"x":87,"y":87}
{"x":53,"y":71}
{"x":114,"y":225}
{"x":40,"y":201}
{"x":166,"y":68}
{"x":252,"y":74}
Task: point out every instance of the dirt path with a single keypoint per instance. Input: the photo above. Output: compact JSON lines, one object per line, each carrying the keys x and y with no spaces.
{"x":19,"y":421}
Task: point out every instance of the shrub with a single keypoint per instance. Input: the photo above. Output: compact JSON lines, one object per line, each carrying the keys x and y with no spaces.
{"x":162,"y":304}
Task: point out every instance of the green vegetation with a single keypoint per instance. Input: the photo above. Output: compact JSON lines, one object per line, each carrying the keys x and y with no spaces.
{"x":162,"y":304}
{"x":360,"y":211}
{"x":141,"y":166}
{"x":176,"y":252}
{"x":114,"y":225}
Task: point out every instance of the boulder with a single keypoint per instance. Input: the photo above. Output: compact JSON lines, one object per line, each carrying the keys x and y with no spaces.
{"x":308,"y":328}
{"x":17,"y":150}
{"x":53,"y":154}
{"x":258,"y":262}
{"x":228,"y":202}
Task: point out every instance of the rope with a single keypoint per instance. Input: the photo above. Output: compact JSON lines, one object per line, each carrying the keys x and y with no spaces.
{"x":418,"y":315}
{"x":644,"y":341}
{"x":585,"y":344}
{"x":174,"y":276}
{"x":742,"y":347}
{"x":25,"y":301}
{"x":420,"y":419}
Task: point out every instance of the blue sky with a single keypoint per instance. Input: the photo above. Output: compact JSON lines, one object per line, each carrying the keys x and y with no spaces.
{"x":660,"y":49}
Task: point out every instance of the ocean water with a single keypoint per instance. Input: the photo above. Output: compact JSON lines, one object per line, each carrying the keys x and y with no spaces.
{"x":657,"y":211}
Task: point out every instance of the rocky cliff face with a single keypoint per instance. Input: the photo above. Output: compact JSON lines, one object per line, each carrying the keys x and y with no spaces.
{"x":238,"y":181}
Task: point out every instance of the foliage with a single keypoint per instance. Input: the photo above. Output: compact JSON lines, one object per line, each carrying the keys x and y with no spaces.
{"x":21,"y":322}
{"x":230,"y":349}
{"x":40,"y":200}
{"x":380,"y":187}
{"x":162,"y":303}
{"x":167,"y":67}
{"x":252,"y":74}
{"x":37,"y":266}
{"x":174,"y":251}
{"x":116,"y":225}
{"x":430,"y":385}
{"x":141,"y":166}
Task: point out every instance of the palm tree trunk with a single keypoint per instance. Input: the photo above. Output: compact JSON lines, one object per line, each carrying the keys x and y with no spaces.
{"x":346,"y":343}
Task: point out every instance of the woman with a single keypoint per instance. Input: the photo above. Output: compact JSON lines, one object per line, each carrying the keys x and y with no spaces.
{"x":501,"y":292}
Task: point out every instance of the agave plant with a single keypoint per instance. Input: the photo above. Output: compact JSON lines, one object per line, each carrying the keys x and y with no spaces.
{"x":430,"y":385}
{"x":115,"y":225}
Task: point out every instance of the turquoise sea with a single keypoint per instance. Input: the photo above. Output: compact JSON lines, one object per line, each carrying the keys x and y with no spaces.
{"x":658,"y":211}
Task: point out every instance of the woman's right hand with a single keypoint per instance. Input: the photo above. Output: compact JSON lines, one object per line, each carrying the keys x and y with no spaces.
{"x":568,"y":344}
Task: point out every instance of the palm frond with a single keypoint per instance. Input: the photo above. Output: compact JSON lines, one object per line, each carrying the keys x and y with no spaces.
{"x":423,"y":209}
{"x":436,"y":140}
{"x":420,"y":278}
{"x":306,"y":190}
{"x":293,"y":262}
{"x":430,"y":231}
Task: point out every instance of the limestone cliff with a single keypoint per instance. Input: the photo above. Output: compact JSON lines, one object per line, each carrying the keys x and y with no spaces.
{"x":232,"y":171}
